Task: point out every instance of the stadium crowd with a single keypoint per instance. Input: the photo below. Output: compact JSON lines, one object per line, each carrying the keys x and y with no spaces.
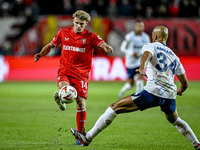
{"x":32,"y":9}
{"x":112,"y":8}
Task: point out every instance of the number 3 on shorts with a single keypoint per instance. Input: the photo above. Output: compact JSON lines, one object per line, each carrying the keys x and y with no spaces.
{"x":83,"y":84}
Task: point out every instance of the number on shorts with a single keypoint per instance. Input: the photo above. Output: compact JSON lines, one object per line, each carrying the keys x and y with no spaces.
{"x":84,"y":84}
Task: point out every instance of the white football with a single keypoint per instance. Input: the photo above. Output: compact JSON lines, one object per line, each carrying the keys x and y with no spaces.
{"x":67,"y":94}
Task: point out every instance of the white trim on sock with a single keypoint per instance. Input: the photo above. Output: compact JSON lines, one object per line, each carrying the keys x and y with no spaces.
{"x":81,"y":110}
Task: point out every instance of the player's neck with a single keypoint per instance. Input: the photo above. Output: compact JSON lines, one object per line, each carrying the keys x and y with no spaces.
{"x":77,"y":32}
{"x":138,"y":33}
{"x":161,"y":41}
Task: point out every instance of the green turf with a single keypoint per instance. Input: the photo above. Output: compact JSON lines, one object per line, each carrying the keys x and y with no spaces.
{"x":30,"y":119}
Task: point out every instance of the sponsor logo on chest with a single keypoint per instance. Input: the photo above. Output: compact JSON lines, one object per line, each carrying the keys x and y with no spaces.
{"x":73,"y":48}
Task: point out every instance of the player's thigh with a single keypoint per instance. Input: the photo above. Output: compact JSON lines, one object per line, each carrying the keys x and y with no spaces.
{"x":62,"y":81}
{"x":81,"y":86}
{"x":124,"y":105}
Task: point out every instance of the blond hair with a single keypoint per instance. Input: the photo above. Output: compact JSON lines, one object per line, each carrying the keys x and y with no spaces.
{"x":83,"y":15}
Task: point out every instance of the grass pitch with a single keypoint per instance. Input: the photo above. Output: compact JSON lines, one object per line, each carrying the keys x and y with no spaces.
{"x":30,"y":119}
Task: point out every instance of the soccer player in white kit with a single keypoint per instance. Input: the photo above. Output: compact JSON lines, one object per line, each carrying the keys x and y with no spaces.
{"x":161,"y":64}
{"x":132,"y":47}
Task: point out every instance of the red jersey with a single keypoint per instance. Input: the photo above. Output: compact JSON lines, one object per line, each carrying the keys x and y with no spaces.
{"x":76,"y":51}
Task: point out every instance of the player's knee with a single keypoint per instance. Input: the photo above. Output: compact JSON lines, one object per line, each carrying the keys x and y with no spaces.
{"x":113,"y":106}
{"x":172,"y":117}
{"x":80,"y":102}
{"x":62,"y":83}
{"x":179,"y":122}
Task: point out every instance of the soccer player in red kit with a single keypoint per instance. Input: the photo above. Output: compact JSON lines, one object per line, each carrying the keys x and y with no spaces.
{"x":77,"y":46}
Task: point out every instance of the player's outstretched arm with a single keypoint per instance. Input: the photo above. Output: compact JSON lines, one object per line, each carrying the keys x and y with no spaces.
{"x":143,"y":63}
{"x":184,"y":84}
{"x":45,"y":50}
{"x":107,"y":48}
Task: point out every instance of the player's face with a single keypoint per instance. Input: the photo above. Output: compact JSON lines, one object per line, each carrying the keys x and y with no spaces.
{"x":139,"y":27}
{"x":79,"y":25}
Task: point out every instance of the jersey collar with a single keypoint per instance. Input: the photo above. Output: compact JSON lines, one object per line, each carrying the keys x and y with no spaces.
{"x":162,"y":43}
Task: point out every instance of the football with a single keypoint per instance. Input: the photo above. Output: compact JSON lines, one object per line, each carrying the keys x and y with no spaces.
{"x":68,"y":94}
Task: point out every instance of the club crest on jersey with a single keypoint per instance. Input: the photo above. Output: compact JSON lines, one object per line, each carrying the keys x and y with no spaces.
{"x":83,"y":41}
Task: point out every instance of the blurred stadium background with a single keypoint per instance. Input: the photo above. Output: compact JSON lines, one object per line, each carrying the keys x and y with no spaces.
{"x":27,"y":25}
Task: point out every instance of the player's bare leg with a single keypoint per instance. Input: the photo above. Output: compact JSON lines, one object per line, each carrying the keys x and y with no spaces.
{"x":61,"y":105}
{"x":62,"y":83}
{"x":122,"y":106}
{"x":127,"y":86}
{"x":80,"y":116}
{"x":183,"y":128}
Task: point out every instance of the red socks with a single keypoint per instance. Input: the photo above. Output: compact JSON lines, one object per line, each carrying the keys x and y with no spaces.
{"x":80,"y":119}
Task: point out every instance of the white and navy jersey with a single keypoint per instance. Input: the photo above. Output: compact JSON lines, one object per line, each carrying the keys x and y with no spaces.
{"x":133,"y":44}
{"x":161,"y":69}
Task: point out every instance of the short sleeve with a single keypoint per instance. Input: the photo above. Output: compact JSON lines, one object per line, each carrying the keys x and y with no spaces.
{"x":97,"y":40}
{"x":149,"y":48}
{"x":180,"y":70}
{"x":56,"y":40}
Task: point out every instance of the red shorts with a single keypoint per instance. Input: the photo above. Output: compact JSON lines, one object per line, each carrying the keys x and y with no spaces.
{"x":81,"y":85}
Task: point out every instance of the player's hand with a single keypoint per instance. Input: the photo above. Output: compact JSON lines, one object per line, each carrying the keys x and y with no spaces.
{"x":109,"y":49}
{"x":179,"y":92}
{"x":37,"y":57}
{"x":141,"y":71}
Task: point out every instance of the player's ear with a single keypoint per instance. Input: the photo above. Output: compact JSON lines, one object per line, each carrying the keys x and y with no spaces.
{"x":154,"y":37}
{"x":86,"y":24}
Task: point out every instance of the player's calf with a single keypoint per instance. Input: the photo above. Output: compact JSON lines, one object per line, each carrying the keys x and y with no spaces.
{"x":185,"y":130}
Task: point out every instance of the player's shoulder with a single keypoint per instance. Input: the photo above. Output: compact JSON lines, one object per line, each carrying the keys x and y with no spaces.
{"x":149,"y":46}
{"x":88,"y":33}
{"x":91,"y":35}
{"x":153,"y":44}
{"x":129,"y":34}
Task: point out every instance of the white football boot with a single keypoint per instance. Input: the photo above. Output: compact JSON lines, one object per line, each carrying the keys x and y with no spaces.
{"x":61,"y":105}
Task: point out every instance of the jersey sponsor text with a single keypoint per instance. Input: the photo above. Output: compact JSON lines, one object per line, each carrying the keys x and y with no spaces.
{"x":72,"y":48}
